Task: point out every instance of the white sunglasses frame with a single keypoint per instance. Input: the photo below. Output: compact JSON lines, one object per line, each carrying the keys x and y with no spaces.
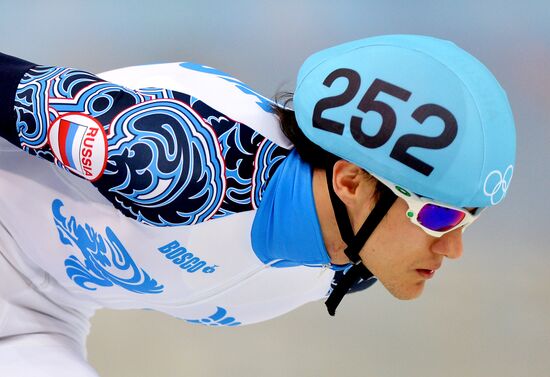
{"x":415,"y":204}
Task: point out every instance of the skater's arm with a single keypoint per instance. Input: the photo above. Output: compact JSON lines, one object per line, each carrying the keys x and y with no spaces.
{"x":12,"y":70}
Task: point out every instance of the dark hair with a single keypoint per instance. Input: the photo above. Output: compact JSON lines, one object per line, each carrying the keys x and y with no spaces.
{"x":309,"y":152}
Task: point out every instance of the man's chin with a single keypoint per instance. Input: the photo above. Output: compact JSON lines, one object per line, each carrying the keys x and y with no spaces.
{"x":407,"y":293}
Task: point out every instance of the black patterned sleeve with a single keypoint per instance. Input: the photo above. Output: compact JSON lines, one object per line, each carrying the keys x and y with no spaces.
{"x":161,"y":157}
{"x":12,"y":70}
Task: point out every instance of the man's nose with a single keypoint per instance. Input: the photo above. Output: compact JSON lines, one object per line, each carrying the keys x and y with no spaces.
{"x":449,"y":245}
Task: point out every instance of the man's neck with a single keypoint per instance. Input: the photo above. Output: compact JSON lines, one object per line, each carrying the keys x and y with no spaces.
{"x":331,"y":234}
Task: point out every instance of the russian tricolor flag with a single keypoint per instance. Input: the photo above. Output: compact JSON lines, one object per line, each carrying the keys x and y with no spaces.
{"x":79,"y":142}
{"x":70,"y":138}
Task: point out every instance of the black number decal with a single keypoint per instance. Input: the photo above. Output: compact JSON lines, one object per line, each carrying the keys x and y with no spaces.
{"x":389,"y":119}
{"x":369,"y":103}
{"x":423,"y":112}
{"x":354,"y":81}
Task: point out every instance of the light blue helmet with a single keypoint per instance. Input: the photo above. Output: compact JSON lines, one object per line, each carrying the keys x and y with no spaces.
{"x":417,"y":111}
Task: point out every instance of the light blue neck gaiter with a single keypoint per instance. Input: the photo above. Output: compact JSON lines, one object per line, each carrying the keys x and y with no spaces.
{"x":286,"y":226}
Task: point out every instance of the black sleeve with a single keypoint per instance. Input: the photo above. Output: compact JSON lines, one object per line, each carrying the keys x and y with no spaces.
{"x":162,"y":157}
{"x":12,"y":70}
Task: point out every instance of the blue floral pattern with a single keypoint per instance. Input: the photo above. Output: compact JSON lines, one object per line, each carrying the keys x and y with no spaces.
{"x":105,"y":262}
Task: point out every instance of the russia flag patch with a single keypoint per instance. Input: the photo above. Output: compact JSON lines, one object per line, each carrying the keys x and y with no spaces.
{"x":79,"y":142}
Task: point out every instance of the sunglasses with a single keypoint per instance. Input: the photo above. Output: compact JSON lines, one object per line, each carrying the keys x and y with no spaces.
{"x":434,"y":218}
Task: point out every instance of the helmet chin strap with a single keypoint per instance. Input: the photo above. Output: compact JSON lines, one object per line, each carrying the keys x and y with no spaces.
{"x":354,"y":242}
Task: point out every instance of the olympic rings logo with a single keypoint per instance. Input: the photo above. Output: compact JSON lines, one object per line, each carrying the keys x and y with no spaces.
{"x":496,"y":184}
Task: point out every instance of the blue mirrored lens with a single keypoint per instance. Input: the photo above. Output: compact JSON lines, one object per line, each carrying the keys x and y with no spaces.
{"x":439,"y":218}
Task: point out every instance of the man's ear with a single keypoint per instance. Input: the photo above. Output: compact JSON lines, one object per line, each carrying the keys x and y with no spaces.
{"x":346,"y":178}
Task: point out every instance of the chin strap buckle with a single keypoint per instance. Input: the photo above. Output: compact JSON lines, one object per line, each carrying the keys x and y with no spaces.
{"x":352,"y":276}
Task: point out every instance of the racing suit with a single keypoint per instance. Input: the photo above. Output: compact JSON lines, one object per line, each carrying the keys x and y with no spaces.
{"x":167,"y":187}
